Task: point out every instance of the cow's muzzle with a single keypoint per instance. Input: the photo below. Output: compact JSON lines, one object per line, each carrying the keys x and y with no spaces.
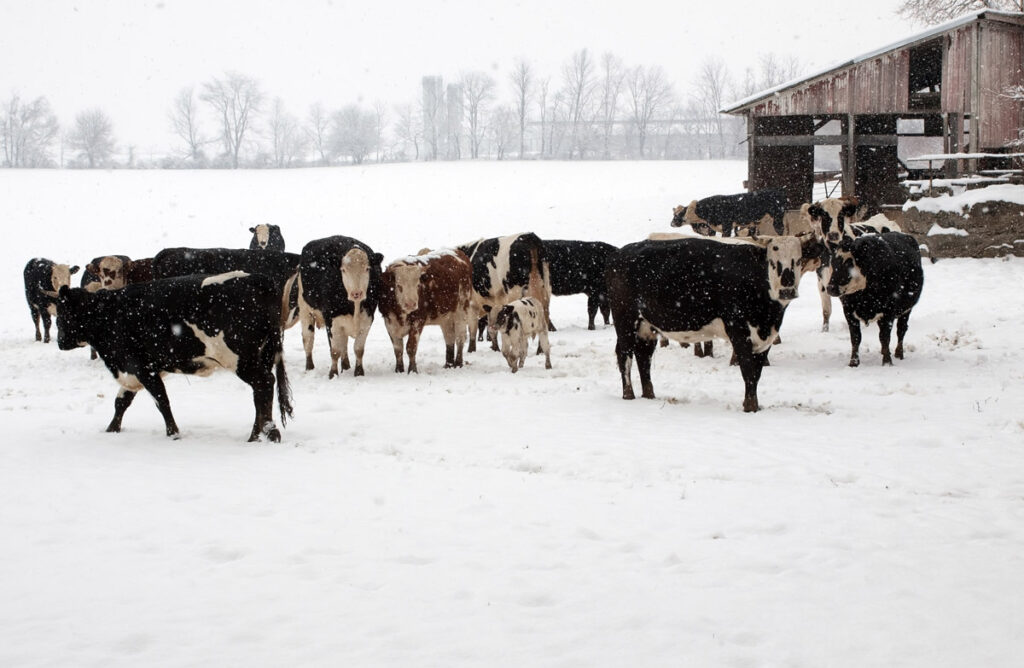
{"x":788,"y":294}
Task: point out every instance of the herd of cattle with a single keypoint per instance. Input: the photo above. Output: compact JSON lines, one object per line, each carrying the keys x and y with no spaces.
{"x":195,"y":310}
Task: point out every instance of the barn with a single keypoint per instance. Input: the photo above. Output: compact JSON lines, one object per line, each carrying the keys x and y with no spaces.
{"x":947,"y":83}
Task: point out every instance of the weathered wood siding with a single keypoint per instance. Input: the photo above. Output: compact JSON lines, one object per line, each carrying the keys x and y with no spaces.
{"x":1002,"y":59}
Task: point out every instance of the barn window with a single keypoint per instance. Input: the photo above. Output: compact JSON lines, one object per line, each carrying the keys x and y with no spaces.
{"x":925,"y":78}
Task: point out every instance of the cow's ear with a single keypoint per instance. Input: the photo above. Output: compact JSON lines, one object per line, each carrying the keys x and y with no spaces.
{"x":815,"y":211}
{"x":253,"y":230}
{"x":73,"y":270}
{"x":487,"y":308}
{"x":376,"y":258}
{"x":849,"y":210}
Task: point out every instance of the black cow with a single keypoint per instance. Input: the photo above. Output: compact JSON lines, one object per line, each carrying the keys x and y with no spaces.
{"x":723,"y":212}
{"x":43,"y":279}
{"x":339,"y":289}
{"x":578,"y":267}
{"x":505,"y":269}
{"x":694,"y":289}
{"x":282,"y":267}
{"x":877,"y":277}
{"x":266,"y":237}
{"x":190,"y":324}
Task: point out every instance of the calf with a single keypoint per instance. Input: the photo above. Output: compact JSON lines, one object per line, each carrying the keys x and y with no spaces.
{"x":832,"y":220}
{"x":505,"y":269}
{"x":877,"y":277}
{"x":192,"y":324}
{"x":433,"y":288}
{"x":92,"y":276}
{"x":266,"y":237}
{"x":578,"y":267}
{"x":281,"y":267}
{"x":113,"y":272}
{"x":694,"y":289}
{"x":722,"y":212}
{"x":517,"y":322}
{"x":43,"y":279}
{"x":339,"y":287}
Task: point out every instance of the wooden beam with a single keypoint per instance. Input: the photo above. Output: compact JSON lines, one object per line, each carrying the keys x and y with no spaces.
{"x":823,"y":140}
{"x":850,"y":168}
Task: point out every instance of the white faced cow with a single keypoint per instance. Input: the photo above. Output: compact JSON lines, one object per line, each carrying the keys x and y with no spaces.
{"x":43,"y":280}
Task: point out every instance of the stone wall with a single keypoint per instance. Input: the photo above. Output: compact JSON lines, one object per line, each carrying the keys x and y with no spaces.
{"x":994,"y":229}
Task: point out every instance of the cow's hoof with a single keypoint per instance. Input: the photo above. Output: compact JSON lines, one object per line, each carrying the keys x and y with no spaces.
{"x":359,"y":371}
{"x":854,"y":362}
{"x":345,"y":366}
{"x":412,"y":369}
{"x":39,"y":337}
{"x":886,"y":361}
{"x":332,"y":374}
{"x":824,"y":327}
{"x":113,"y":429}
{"x":309,"y":366}
{"x":274,"y":435}
{"x":648,"y":395}
{"x":750,"y":406}
{"x":399,"y":368}
{"x":547,"y":365}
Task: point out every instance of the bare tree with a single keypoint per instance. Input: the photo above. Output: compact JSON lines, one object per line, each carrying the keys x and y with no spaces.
{"x":93,"y":137}
{"x":286,"y":136}
{"x":354,"y":134}
{"x":28,"y":132}
{"x":542,"y":105}
{"x":578,"y":91}
{"x":522,"y":89}
{"x":380,"y":113}
{"x":408,"y":127}
{"x":317,"y":128}
{"x":612,"y":77}
{"x":711,"y":85}
{"x":503,"y":127}
{"x":477,"y":90}
{"x":649,"y":93}
{"x":930,"y":12}
{"x":184,"y":117}
{"x":236,"y":98}
{"x":433,"y":114}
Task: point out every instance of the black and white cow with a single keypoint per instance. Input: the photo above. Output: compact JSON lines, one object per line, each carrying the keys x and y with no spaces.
{"x":516,"y":323}
{"x":505,"y":269}
{"x":43,"y":279}
{"x":877,"y":277}
{"x":266,"y":237}
{"x":832,"y":220}
{"x":193,"y":324}
{"x":282,"y":267}
{"x":339,"y":289}
{"x":723,"y":212}
{"x":578,"y":267}
{"x":695,"y":289}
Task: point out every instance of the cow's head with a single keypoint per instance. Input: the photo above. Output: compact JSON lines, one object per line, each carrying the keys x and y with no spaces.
{"x":847,"y":276}
{"x":355,"y":274}
{"x":830,"y":218}
{"x":111,"y":272}
{"x":678,"y":216}
{"x":60,"y":277}
{"x":785,"y":259}
{"x":72,"y":308}
{"x":407,"y":286}
{"x":262,"y":235}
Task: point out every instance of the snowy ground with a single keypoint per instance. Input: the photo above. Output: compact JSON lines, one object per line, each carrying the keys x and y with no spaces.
{"x":865,"y":517}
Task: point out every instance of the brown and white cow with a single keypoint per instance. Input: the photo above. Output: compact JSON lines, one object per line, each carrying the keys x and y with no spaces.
{"x":43,"y":280}
{"x":516,"y":323}
{"x":339,"y":287}
{"x":116,"y":271}
{"x":432,"y":288}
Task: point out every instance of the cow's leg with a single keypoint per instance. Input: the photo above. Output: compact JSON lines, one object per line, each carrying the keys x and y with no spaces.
{"x":308,"y":334}
{"x":624,"y":357}
{"x":155,"y":386}
{"x":121,"y":404}
{"x":35,"y":321}
{"x":901,"y":329}
{"x":396,"y":344}
{"x":884,"y":335}
{"x":262,"y":383}
{"x":45,"y":315}
{"x":333,"y":343}
{"x":411,"y":347}
{"x":644,"y":353}
{"x":545,"y":345}
{"x":854,"y":325}
{"x":606,"y":310}
{"x":593,"y":303}
{"x":826,"y":301}
{"x":359,"y":344}
{"x":750,"y":364}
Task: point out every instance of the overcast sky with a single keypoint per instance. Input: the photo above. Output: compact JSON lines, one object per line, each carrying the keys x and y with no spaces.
{"x":130,"y":57}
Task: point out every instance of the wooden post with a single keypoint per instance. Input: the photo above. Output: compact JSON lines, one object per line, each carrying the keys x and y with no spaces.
{"x":850,"y":168}
{"x":975,"y":145}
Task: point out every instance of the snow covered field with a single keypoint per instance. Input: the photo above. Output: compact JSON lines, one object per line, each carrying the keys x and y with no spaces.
{"x":865,"y":517}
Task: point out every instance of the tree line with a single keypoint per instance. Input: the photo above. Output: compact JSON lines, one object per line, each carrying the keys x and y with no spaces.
{"x":593,"y":108}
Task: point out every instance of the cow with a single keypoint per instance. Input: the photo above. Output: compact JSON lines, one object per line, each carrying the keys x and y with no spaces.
{"x":505,"y":269}
{"x":433,"y":288}
{"x":578,"y":267}
{"x":723,"y":212}
{"x":92,"y":280}
{"x":43,"y":279}
{"x":266,"y":237}
{"x":516,"y":323}
{"x":339,"y":289}
{"x":831,"y":220}
{"x":194,"y":324}
{"x":113,"y":272}
{"x":877,"y":277}
{"x":694,"y":289}
{"x":281,"y":267}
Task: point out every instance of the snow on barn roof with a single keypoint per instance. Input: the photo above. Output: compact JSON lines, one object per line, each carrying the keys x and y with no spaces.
{"x":895,"y":46}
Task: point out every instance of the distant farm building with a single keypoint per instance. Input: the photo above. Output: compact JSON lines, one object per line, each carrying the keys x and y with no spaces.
{"x":948,"y":84}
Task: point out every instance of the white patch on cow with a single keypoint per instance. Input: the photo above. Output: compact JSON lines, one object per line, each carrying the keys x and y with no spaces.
{"x":60,"y":276}
{"x":355,"y":274}
{"x":262,"y":233}
{"x":498,"y":269}
{"x":217,"y":354}
{"x":223,"y":278}
{"x":530,"y":323}
{"x":760,"y":345}
{"x":691,"y":214}
{"x":782,"y":254}
{"x":713,"y":330}
{"x":876,"y":224}
{"x":128,"y":381}
{"x":407,"y":285}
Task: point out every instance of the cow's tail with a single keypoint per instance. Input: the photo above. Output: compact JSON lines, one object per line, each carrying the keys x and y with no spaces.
{"x":284,"y":389}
